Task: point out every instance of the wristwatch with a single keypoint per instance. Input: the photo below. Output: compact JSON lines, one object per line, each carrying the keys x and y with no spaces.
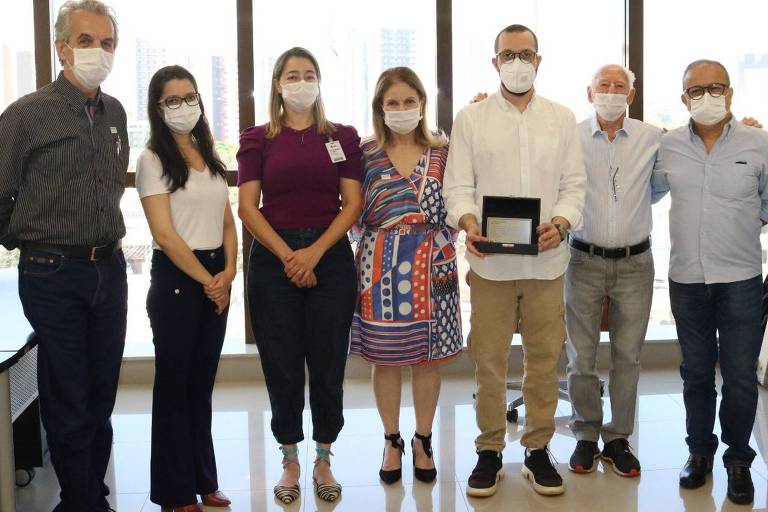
{"x":563,"y":232}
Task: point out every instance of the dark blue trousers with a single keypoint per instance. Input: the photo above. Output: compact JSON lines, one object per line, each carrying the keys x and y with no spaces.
{"x":719,"y":322}
{"x":188,"y":336}
{"x":78,"y":310}
{"x":297,"y":326}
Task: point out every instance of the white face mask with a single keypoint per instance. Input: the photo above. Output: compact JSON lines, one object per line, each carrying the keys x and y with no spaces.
{"x":91,"y":66}
{"x":402,"y":121}
{"x":708,"y":110}
{"x":609,"y":106}
{"x":517,"y":76}
{"x":301,"y":96}
{"x":183,"y":119}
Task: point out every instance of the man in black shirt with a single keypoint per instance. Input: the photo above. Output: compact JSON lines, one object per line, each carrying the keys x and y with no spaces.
{"x":63,"y":161}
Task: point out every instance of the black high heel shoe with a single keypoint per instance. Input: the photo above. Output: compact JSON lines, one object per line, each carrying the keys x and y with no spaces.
{"x":423,"y":475}
{"x":390,"y":476}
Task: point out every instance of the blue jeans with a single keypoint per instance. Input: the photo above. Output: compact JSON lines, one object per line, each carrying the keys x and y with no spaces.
{"x":293,"y":326}
{"x":628,"y":282}
{"x":78,"y":310}
{"x":188,"y":335}
{"x":732,"y":310}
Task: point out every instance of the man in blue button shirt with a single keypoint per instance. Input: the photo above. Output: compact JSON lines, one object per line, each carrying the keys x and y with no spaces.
{"x":715,"y":169}
{"x":610,"y":257}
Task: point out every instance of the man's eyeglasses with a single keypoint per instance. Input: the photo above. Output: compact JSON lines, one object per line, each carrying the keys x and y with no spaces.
{"x":528,"y":56}
{"x":173,"y":102}
{"x":714,"y":90}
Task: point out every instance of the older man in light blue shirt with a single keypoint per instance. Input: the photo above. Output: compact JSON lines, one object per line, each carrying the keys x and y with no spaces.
{"x":716,"y":171}
{"x":610,"y":257}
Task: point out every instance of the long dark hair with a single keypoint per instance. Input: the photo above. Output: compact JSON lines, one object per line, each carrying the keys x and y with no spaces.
{"x":161,"y":141}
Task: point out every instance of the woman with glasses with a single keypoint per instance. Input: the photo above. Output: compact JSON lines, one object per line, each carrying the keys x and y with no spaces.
{"x":305,"y":173}
{"x":408,"y":311}
{"x":183,"y":190}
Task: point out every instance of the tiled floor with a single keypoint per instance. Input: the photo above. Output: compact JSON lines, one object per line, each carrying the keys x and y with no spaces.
{"x":248,"y":458}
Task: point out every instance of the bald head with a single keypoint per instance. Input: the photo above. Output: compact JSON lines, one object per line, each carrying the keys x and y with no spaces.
{"x":708,"y":68}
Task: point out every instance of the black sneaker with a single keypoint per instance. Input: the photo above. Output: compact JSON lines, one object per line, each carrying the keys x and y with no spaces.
{"x":538,"y":469}
{"x":488,"y":471}
{"x":618,"y":453}
{"x":584,"y":457}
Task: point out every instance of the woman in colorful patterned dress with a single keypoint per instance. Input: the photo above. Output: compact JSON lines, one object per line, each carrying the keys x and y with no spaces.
{"x":408,"y":294}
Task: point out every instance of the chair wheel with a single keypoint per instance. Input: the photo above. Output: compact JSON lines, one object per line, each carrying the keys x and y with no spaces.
{"x":512,"y":415}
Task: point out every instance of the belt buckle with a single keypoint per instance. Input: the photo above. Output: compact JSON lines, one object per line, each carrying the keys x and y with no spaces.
{"x":627,"y":252}
{"x":93,"y":253}
{"x":402,"y":230}
{"x":591,"y":250}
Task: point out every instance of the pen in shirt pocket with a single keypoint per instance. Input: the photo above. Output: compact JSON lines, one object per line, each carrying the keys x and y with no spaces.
{"x":118,"y":140}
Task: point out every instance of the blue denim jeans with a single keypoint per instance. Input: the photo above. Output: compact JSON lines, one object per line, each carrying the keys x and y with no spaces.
{"x":78,"y":310}
{"x":293,"y":326}
{"x":628,"y":282}
{"x":719,"y":322}
{"x":188,"y":336}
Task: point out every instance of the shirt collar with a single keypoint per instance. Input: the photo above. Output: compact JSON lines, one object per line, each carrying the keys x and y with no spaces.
{"x":74,"y":96}
{"x":508,"y":107}
{"x":728,"y":128}
{"x":624,"y":130}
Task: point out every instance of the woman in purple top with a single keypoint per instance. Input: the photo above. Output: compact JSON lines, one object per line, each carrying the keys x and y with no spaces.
{"x":305,"y":171}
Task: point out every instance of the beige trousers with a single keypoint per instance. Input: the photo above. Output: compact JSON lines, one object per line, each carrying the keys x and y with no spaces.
{"x":497,"y":307}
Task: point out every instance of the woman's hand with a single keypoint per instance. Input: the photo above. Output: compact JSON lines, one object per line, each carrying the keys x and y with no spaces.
{"x":310,"y":281}
{"x":219,"y":286}
{"x":221,"y":304}
{"x":300,"y":264}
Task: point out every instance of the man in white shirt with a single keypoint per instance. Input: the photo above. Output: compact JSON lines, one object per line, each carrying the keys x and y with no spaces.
{"x":610,"y":257}
{"x":516,"y":144}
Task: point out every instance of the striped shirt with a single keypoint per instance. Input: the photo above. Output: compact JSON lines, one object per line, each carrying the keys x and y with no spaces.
{"x":617,"y":209}
{"x":63,"y":164}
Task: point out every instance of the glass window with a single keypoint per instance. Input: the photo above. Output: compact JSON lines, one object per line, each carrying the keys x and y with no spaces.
{"x":17,"y":62}
{"x":156,"y":34}
{"x":352,"y":48}
{"x":204,"y":41}
{"x":571,"y":53}
{"x":17,"y":53}
{"x":725,"y":35}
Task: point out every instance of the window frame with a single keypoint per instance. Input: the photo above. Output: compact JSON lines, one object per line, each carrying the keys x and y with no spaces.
{"x":44,"y":56}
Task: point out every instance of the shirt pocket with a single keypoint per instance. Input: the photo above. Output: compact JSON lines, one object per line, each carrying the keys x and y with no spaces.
{"x":735,"y":182}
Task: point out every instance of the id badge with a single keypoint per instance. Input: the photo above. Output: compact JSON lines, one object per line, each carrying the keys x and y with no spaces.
{"x":335,"y":151}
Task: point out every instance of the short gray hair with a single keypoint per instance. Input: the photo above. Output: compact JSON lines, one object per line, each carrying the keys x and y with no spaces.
{"x":63,"y":26}
{"x":630,"y":75}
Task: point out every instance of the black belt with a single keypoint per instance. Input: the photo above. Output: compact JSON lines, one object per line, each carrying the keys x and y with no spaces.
{"x":621,"y":252}
{"x":75,"y":251}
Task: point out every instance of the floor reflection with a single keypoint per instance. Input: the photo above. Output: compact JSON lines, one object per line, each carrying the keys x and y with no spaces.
{"x":249,"y":461}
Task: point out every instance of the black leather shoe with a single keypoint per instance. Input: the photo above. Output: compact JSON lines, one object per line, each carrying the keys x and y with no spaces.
{"x":424,"y":475}
{"x":390,"y":476}
{"x":694,"y":473}
{"x":740,"y":488}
